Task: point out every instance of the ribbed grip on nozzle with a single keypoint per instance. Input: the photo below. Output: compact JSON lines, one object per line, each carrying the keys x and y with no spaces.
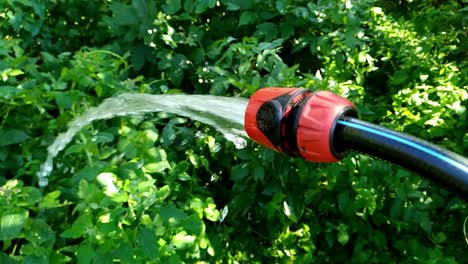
{"x":316,"y":126}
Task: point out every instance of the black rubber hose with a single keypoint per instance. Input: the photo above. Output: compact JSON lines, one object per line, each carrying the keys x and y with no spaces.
{"x":406,"y":151}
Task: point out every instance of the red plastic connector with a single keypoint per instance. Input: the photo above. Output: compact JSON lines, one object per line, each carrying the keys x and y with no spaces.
{"x":317,"y":123}
{"x":297,"y":122}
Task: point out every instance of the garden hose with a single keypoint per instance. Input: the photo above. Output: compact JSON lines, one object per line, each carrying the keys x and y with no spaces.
{"x":322,"y":127}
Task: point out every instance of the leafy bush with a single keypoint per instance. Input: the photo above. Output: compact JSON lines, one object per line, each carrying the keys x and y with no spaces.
{"x":163,"y":189}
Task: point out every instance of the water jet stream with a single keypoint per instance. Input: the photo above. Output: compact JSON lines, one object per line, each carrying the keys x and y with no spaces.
{"x":225,"y":114}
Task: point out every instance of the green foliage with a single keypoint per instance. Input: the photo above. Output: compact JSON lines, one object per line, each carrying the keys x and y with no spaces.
{"x":163,"y":189}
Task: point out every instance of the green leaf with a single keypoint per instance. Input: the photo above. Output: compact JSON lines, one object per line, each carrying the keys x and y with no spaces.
{"x":194,"y":225}
{"x":156,"y":167}
{"x":238,"y":4}
{"x":189,"y":6}
{"x":172,"y":6}
{"x":59,"y":85}
{"x":399,"y":77}
{"x":197,"y":205}
{"x":148,"y":241}
{"x":343,"y":236}
{"x":12,"y":136}
{"x":151,"y":135}
{"x":259,"y":173}
{"x":31,"y":259}
{"x":40,"y":233}
{"x":247,"y":17}
{"x":30,"y":196}
{"x":232,"y":7}
{"x":7,"y":92}
{"x":125,"y":252}
{"x":5,"y":259}
{"x":87,"y":173}
{"x":287,"y":30}
{"x":10,"y":73}
{"x":439,"y":237}
{"x":266,"y":31}
{"x":50,"y":200}
{"x":239,"y":171}
{"x":168,"y":135}
{"x":193,"y":158}
{"x":12,"y":224}
{"x":172,"y":213}
{"x":210,"y":211}
{"x":163,"y":192}
{"x":345,"y":203}
{"x":280,"y":6}
{"x":79,"y":228}
{"x":74,"y":149}
{"x":293,"y":207}
{"x":181,"y":240}
{"x":123,"y":14}
{"x":48,"y":58}
{"x":184,"y":176}
{"x":85,"y":253}
{"x":138,"y":58}
{"x":103,"y":137}
{"x":63,"y":100}
{"x":202,"y":5}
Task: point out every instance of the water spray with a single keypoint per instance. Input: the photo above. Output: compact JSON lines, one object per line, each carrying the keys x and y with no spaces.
{"x":323,"y":127}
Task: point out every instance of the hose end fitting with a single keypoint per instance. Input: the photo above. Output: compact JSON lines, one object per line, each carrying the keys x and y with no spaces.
{"x":316,"y":126}
{"x":295,"y":121}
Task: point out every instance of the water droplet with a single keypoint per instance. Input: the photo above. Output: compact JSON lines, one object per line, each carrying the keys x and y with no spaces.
{"x":214,"y":177}
{"x":140,"y":164}
{"x":43,"y":182}
{"x":223,"y":213}
{"x":216,"y":147}
{"x":199,"y":134}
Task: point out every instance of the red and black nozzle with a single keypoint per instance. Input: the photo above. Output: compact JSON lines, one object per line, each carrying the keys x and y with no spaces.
{"x":321,"y":127}
{"x":297,"y":122}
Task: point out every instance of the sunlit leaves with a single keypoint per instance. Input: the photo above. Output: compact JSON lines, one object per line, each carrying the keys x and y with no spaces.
{"x":181,"y":240}
{"x":50,"y":200}
{"x":11,"y":224}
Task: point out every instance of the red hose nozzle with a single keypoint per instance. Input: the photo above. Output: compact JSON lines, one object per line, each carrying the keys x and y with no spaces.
{"x":295,"y":121}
